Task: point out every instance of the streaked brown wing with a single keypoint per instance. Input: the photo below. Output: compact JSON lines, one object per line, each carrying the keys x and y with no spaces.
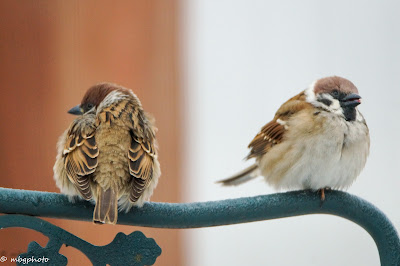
{"x":81,"y":157}
{"x":270,"y":135}
{"x":273,"y":132}
{"x":141,"y":154}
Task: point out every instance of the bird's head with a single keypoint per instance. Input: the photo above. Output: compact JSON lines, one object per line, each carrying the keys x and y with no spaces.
{"x":335,"y":94}
{"x":93,"y":97}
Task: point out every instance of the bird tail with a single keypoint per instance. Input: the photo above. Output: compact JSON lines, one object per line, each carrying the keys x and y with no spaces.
{"x":243,"y":176}
{"x":106,"y":209}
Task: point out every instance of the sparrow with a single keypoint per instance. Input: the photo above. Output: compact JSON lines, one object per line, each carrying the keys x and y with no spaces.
{"x":108,"y":154}
{"x":317,"y":140}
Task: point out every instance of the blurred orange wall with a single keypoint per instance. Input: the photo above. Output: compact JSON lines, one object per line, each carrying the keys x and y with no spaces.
{"x":50,"y":53}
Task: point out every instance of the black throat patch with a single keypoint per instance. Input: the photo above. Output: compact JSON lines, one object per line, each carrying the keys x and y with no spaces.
{"x":349,"y":113}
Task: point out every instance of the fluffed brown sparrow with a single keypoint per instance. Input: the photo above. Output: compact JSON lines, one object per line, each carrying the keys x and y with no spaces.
{"x":109,"y":153}
{"x":318,"y":139}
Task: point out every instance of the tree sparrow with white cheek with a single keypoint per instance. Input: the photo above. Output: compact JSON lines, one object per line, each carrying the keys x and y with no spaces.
{"x":318,"y":139}
{"x":109,"y":153}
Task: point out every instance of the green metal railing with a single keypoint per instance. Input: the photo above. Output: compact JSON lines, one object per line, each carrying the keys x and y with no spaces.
{"x":139,"y":250}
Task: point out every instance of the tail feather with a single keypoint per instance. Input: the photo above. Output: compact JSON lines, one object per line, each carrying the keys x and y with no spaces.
{"x":246,"y":175}
{"x":106,"y":209}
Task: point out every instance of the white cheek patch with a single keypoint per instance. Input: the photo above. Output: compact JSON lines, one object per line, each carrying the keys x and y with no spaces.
{"x":334,"y":107}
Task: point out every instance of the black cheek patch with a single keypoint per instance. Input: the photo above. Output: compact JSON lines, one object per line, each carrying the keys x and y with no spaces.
{"x":327,"y":102}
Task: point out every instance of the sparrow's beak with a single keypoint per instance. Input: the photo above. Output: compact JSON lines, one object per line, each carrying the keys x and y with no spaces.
{"x":77,"y":110}
{"x":351,"y":100}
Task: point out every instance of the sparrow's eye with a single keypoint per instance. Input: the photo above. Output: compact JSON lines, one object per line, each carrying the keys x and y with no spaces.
{"x":335,"y":94}
{"x":89,"y":106}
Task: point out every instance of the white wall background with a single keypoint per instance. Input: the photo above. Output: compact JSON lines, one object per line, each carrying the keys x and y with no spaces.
{"x":242,"y":60}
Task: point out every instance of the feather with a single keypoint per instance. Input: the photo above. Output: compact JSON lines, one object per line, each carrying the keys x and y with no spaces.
{"x":141,"y":155}
{"x":106,"y":209}
{"x":241,"y":177}
{"x":81,"y":153}
{"x":273,"y":132}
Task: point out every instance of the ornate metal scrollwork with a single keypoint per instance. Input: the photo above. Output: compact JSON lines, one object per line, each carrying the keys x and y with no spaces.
{"x":133,"y":249}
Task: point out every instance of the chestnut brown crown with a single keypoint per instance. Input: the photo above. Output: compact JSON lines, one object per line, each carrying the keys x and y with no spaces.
{"x":334,"y":83}
{"x":94,"y":96}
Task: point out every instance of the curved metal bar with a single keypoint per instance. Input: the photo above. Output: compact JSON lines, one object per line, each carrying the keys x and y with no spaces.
{"x":215,"y":213}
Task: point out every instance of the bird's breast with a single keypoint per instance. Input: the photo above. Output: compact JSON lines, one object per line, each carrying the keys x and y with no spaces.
{"x":327,"y":151}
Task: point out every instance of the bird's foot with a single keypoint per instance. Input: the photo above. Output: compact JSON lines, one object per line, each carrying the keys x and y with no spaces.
{"x":322,"y":191}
